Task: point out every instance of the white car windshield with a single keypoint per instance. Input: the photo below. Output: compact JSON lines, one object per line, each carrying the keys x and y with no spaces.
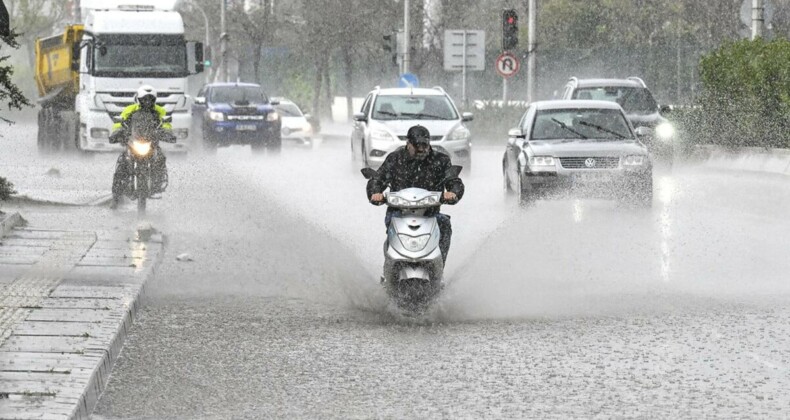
{"x":413,"y":107}
{"x":288,"y":110}
{"x":633,"y":100}
{"x":564,"y":124}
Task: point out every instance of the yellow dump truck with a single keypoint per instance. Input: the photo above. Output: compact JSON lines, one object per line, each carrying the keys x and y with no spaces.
{"x":58,"y":86}
{"x":90,"y":72}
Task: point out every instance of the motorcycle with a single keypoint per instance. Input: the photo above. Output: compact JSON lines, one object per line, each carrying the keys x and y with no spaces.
{"x":142,"y":150}
{"x":413,"y":264}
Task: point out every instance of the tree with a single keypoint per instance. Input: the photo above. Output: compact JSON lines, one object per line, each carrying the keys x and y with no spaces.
{"x":37,"y":18}
{"x":10,"y":95}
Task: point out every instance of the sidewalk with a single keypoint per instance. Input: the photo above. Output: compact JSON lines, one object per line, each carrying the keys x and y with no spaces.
{"x":67,"y":299}
{"x":331,"y":130}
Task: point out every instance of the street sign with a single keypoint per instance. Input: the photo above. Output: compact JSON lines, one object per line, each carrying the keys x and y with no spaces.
{"x":464,"y":50}
{"x":507,"y":65}
{"x":408,"y":80}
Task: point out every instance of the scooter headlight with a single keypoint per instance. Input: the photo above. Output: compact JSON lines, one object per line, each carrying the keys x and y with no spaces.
{"x":414,"y":243}
{"x":397,"y":201}
{"x":428,"y":201}
{"x":141,"y":148}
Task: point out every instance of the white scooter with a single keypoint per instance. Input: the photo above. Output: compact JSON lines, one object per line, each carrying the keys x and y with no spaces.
{"x":413,"y":264}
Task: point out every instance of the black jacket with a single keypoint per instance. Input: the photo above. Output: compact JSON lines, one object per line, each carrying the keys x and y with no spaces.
{"x":400,"y":171}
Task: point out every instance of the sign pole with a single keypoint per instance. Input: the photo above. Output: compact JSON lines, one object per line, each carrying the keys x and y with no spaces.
{"x":504,"y":91}
{"x":463,"y":83}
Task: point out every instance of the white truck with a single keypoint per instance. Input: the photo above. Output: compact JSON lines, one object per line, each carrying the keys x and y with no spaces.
{"x":90,"y":73}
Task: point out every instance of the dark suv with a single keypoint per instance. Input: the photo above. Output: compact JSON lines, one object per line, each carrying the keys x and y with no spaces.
{"x":637,"y":101}
{"x":236,"y":113}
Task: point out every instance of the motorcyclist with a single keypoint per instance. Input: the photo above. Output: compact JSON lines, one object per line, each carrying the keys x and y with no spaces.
{"x":145,"y":101}
{"x":417,"y":165}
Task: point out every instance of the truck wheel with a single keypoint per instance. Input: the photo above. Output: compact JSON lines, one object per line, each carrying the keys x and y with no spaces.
{"x":42,"y":142}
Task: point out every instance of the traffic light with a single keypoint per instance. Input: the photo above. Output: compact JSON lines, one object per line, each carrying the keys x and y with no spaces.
{"x":207,"y":57}
{"x":388,"y":44}
{"x":509,"y":29}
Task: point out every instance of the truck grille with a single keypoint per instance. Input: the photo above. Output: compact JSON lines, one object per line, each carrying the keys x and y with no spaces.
{"x":590,"y":162}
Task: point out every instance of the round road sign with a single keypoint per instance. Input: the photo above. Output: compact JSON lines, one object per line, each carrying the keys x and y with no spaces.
{"x":507,"y":64}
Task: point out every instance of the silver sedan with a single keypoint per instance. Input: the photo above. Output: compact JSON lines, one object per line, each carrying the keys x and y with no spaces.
{"x":584,"y":146}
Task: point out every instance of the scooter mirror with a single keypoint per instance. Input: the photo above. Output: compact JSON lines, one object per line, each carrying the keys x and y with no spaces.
{"x":369,"y":173}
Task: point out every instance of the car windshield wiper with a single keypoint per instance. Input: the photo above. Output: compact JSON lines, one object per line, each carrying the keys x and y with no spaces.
{"x":387,"y":113}
{"x":565,"y":126}
{"x":605,"y":130}
{"x":425,"y":116}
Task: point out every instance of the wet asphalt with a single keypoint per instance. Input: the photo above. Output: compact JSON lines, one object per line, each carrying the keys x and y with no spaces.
{"x":569,"y":309}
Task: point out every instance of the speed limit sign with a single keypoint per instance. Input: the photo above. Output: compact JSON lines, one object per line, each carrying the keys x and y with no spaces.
{"x":507,"y":65}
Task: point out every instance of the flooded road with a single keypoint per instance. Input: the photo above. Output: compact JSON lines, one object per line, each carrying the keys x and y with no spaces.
{"x":570,"y":308}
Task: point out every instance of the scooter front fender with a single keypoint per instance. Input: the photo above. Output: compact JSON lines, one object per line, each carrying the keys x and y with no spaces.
{"x":414,"y":272}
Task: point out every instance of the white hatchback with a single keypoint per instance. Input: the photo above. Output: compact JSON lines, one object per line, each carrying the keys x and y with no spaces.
{"x":387,"y":114}
{"x":296,"y":128}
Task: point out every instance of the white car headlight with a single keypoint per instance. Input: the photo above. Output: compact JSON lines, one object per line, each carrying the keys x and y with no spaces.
{"x":634,"y":160}
{"x":460,"y":133}
{"x":665,"y":131}
{"x":216,"y":116}
{"x":541,"y":161}
{"x":378,"y":134}
{"x":414,"y":243}
{"x":272,"y":116}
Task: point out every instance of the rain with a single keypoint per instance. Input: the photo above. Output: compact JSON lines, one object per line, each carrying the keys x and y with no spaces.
{"x":187,"y":193}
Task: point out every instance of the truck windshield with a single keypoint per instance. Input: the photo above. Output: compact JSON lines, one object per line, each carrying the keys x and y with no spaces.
{"x":140,"y":56}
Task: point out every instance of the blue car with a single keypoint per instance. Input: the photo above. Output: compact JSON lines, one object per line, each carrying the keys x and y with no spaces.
{"x":237,"y":113}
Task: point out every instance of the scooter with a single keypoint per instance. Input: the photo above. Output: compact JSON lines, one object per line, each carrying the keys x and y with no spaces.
{"x":413,"y":264}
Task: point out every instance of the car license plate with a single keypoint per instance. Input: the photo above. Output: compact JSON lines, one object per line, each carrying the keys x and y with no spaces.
{"x":588,"y":177}
{"x":245,"y":127}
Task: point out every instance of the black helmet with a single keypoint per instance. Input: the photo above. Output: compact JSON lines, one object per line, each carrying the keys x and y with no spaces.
{"x":418,"y":134}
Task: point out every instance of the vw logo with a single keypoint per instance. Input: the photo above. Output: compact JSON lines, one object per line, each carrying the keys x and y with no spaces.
{"x":590,"y":163}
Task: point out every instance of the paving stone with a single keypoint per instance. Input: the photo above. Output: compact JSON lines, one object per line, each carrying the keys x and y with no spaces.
{"x":65,"y":329}
{"x":65,"y":290}
{"x":47,"y":344}
{"x":38,"y":362}
{"x":67,"y":315}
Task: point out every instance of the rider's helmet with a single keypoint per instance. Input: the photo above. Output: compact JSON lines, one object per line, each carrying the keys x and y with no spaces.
{"x":146,"y":96}
{"x":420,"y":139}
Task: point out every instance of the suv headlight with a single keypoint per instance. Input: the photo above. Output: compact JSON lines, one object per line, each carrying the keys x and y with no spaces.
{"x":412,"y":243}
{"x":380,"y":135}
{"x":636,"y":160}
{"x":665,"y":131}
{"x":460,"y":133}
{"x":216,"y":116}
{"x":541,"y":161}
{"x":272,"y":116}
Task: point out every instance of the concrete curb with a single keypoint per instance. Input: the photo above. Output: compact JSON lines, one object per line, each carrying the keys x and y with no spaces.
{"x":9,"y":222}
{"x":23,"y":199}
{"x":752,"y":159}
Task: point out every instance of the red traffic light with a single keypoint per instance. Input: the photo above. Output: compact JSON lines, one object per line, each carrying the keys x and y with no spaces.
{"x":511,"y":20}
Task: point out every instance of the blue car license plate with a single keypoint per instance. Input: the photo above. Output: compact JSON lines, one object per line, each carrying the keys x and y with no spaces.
{"x":245,"y":127}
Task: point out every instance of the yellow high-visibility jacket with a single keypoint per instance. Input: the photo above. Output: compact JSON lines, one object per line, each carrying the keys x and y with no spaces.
{"x":131,"y":109}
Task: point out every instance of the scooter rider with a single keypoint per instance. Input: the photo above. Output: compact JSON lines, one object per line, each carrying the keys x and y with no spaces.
{"x":418,"y":166}
{"x":145,"y":101}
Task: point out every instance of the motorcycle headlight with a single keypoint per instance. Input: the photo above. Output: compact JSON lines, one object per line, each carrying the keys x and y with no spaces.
{"x":381,"y":135}
{"x":396,"y":201}
{"x":541,"y":161}
{"x":141,"y":148}
{"x":216,"y":116}
{"x":634,"y":161}
{"x":460,"y":133}
{"x":272,"y":116}
{"x":665,"y":131}
{"x":414,"y":243}
{"x":428,"y":201}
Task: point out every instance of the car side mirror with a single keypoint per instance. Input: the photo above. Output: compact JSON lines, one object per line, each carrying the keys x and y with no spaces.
{"x":467,"y":116}
{"x":200,"y":100}
{"x":274,"y":102}
{"x":644,"y":131}
{"x":369,"y":173}
{"x":308,"y":116}
{"x":664,"y":109}
{"x":360,"y":117}
{"x":516,"y":133}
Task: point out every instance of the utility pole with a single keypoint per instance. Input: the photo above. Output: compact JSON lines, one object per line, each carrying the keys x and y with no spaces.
{"x":758,"y":18}
{"x":406,"y":38}
{"x":223,"y":42}
{"x":532,"y":27}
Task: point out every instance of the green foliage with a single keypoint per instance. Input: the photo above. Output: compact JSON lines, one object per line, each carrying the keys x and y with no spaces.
{"x":10,"y":95}
{"x":6,"y":189}
{"x":746,"y":97}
